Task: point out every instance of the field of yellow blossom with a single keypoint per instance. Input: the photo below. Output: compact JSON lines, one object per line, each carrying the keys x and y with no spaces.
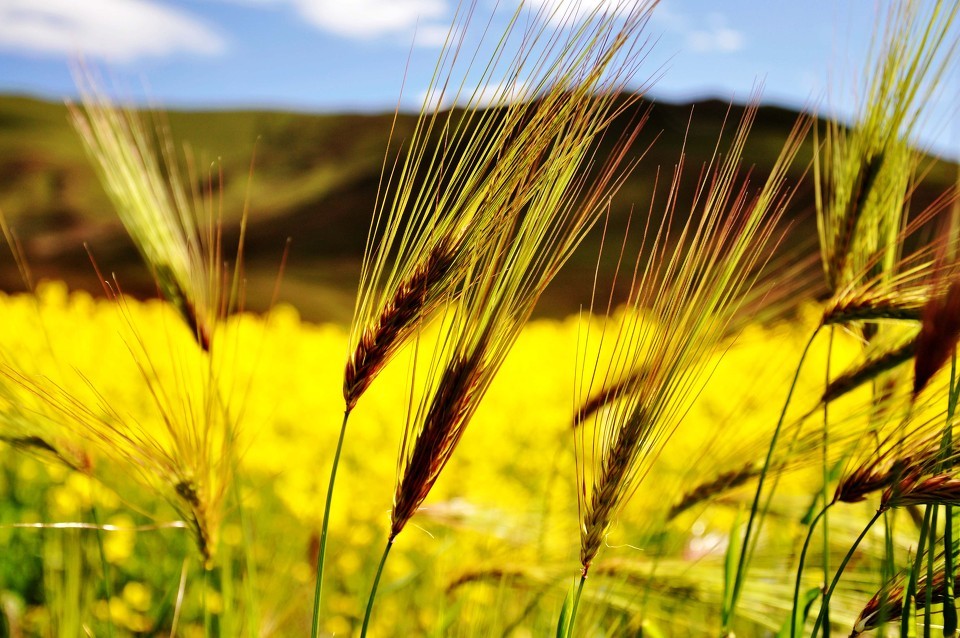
{"x":89,"y":546}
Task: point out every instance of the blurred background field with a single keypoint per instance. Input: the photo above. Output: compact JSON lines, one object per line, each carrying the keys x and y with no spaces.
{"x":315,"y":180}
{"x":497,"y":533}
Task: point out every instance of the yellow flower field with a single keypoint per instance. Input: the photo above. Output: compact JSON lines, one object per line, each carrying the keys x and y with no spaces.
{"x":494,"y":545}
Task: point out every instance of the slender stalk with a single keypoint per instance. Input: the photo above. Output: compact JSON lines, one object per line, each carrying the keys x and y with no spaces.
{"x":576,"y":603}
{"x":318,"y":589}
{"x":803,"y":557}
{"x":949,"y":606}
{"x":826,"y":484}
{"x":843,"y":566}
{"x":567,"y":621}
{"x":373,"y":590}
{"x":730,"y":613}
{"x":910,"y":596}
{"x":928,"y":599}
{"x":107,"y":581}
{"x":888,"y":569}
{"x":207,"y":618}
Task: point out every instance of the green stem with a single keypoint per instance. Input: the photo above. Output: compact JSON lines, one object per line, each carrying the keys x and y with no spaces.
{"x":373,"y":590}
{"x":826,"y":485}
{"x":107,"y":582}
{"x":843,"y":566}
{"x":949,"y":607}
{"x":803,"y":557}
{"x":207,"y":619}
{"x":928,"y":599}
{"x":321,"y":555}
{"x":910,"y":596}
{"x":567,"y":621}
{"x":729,"y":614}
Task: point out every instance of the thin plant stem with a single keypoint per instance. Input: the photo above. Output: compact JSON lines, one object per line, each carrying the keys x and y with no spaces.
{"x":207,"y":620}
{"x":321,"y":555}
{"x":843,"y":566}
{"x":928,"y":601}
{"x":105,"y":566}
{"x":729,"y":614}
{"x":888,"y":569}
{"x":910,"y":596}
{"x":566,"y":624}
{"x":803,"y":556}
{"x":949,"y":606}
{"x":826,"y":483}
{"x":373,"y":590}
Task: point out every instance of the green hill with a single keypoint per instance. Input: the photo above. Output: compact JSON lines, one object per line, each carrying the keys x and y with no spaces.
{"x":315,"y":180}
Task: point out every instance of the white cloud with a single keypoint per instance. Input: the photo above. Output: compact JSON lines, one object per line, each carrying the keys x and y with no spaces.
{"x":371,"y":18}
{"x":434,"y":35}
{"x":716,"y":36}
{"x":567,"y":11}
{"x":479,"y":97}
{"x":112,"y":30}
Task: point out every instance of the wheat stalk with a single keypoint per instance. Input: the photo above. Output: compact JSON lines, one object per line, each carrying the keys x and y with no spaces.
{"x":691,"y":294}
{"x":176,"y":230}
{"x":541,"y":213}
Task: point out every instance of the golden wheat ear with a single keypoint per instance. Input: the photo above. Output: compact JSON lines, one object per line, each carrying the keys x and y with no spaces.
{"x":886,"y":605}
{"x":464,"y":168}
{"x":175,"y":231}
{"x":538,"y":201}
{"x":682,"y":304}
{"x":865,"y":176}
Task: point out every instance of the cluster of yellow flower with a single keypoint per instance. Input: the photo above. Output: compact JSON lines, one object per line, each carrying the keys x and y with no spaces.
{"x":508,"y":499}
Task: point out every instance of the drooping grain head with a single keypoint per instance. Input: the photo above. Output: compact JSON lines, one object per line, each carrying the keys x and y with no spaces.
{"x":914,"y":488}
{"x":883,"y":359}
{"x":871,"y":477}
{"x":451,"y":407}
{"x":865,"y":174}
{"x":411,"y":302}
{"x":543,"y":204}
{"x":939,"y":333}
{"x":469,"y":173}
{"x":886,"y":606}
{"x":687,"y":294}
{"x":722,"y":483}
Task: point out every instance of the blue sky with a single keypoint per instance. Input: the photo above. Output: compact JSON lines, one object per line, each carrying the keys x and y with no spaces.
{"x":346,"y":55}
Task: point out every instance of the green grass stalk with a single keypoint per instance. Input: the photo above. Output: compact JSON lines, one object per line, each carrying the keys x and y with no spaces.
{"x":568,"y":616}
{"x":826,"y":478}
{"x":321,"y":555}
{"x":949,"y":605}
{"x":373,"y":590}
{"x":728,"y":613}
{"x":931,"y":558}
{"x":207,"y":617}
{"x":104,"y":564}
{"x":909,"y":596}
{"x":843,"y":566}
{"x":803,"y":556}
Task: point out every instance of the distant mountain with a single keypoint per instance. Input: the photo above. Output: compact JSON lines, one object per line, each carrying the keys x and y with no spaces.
{"x":315,"y":180}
